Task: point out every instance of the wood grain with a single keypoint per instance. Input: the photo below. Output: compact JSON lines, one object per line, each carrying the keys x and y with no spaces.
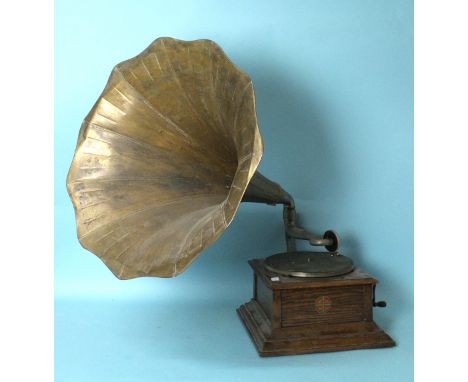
{"x":308,"y":315}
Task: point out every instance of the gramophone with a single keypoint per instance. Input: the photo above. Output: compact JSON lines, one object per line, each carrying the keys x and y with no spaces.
{"x":163,"y":160}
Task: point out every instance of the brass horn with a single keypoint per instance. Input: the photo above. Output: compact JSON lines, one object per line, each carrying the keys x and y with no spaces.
{"x":165,"y":157}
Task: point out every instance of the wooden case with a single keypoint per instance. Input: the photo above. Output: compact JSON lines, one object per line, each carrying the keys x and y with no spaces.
{"x":293,"y":315}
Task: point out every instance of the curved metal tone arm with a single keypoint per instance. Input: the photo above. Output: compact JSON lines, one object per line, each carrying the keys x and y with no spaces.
{"x":295,"y":232}
{"x":263,"y":190}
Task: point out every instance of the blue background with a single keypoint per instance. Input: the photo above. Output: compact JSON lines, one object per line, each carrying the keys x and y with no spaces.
{"x":334,"y":86}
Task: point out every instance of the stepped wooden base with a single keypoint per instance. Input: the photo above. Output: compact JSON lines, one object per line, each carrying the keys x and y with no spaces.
{"x":290,"y":315}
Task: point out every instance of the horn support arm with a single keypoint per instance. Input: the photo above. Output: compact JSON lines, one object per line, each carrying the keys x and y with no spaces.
{"x":263,"y":190}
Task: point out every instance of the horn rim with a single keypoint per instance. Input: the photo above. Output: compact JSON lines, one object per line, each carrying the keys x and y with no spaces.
{"x":230,"y":205}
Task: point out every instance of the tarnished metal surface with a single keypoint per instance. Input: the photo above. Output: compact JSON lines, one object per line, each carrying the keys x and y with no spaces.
{"x":309,"y":264}
{"x":263,"y":190}
{"x":164,"y":158}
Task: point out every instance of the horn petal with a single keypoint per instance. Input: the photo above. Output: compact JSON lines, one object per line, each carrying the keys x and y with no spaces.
{"x":164,"y":157}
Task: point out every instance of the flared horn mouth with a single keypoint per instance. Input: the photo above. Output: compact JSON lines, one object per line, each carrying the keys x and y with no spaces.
{"x":164,"y":158}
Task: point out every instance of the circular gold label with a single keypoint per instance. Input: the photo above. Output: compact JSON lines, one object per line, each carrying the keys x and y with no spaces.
{"x":323,"y":304}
